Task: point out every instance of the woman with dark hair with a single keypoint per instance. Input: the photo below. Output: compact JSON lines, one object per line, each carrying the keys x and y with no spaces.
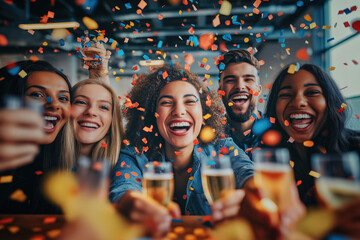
{"x":307,"y":107}
{"x":165,"y":112}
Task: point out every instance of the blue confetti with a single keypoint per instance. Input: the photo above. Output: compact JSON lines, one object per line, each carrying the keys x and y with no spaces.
{"x":160,"y":44}
{"x":62,"y":42}
{"x":265,"y":15}
{"x":120,"y":52}
{"x":330,"y":39}
{"x":195,"y":40}
{"x":347,"y":11}
{"x":122,"y":25}
{"x":128,"y":5}
{"x":260,"y":126}
{"x":258,"y":40}
{"x":227,"y":37}
{"x":281,"y":40}
{"x":283,"y":45}
{"x":211,"y":163}
{"x":300,"y":3}
{"x":177,"y":220}
{"x":171,"y":160}
{"x":146,"y":57}
{"x":13,"y":71}
{"x":221,"y":66}
{"x":48,"y":99}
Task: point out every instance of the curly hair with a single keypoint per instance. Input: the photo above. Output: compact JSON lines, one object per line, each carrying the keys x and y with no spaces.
{"x":140,"y":113}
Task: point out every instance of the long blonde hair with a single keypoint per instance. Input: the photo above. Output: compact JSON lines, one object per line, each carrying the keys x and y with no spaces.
{"x":112,"y":137}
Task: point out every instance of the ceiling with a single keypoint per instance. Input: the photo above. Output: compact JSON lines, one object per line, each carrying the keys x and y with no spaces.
{"x":142,"y":32}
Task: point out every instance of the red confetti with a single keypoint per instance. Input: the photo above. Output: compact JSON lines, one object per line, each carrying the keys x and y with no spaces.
{"x":298,"y":183}
{"x":184,"y":196}
{"x":177,"y":153}
{"x":118,"y":173}
{"x":189,"y":170}
{"x":138,"y":179}
{"x":49,"y":220}
{"x":196,"y":141}
{"x":206,"y":218}
{"x":6,"y":220}
{"x":357,"y":116}
{"x":224,"y":150}
{"x":346,"y":24}
{"x":38,"y":172}
{"x":122,"y":164}
{"x":199,"y":150}
{"x":3,"y":40}
{"x":104,"y":145}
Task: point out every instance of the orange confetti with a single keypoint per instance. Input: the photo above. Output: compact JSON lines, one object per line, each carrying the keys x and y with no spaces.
{"x":148,"y":129}
{"x":216,"y":21}
{"x":104,"y":145}
{"x":298,"y":183}
{"x":118,"y":173}
{"x":122,"y":164}
{"x":177,"y":153}
{"x":49,"y":220}
{"x":196,"y":141}
{"x":134,"y":174}
{"x":161,"y":17}
{"x":308,"y":143}
{"x":189,"y":170}
{"x":272,"y":138}
{"x":144,"y":140}
{"x":126,"y":142}
{"x":199,"y":150}
{"x":247,"y":132}
{"x":206,"y":41}
{"x":3,"y":40}
{"x":272,"y":120}
{"x":126,"y":175}
{"x":165,"y":75}
{"x":286,"y":123}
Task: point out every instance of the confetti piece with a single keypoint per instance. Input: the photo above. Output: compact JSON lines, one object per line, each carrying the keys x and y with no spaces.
{"x":90,"y":23}
{"x":3,"y":40}
{"x":257,"y":3}
{"x":216,"y":21}
{"x":308,"y":18}
{"x":298,"y":183}
{"x":225,"y":8}
{"x":48,"y":220}
{"x":104,"y":145}
{"x":196,"y":141}
{"x":142,"y":4}
{"x":179,"y":230}
{"x":13,"y":229}
{"x":312,"y":25}
{"x":126,"y":175}
{"x":177,"y":153}
{"x":247,"y":132}
{"x":207,"y":134}
{"x":134,"y":174}
{"x":332,"y":68}
{"x":207,"y":116}
{"x":308,"y":143}
{"x":148,"y":129}
{"x":286,"y":123}
{"x":117,"y":173}
{"x":314,"y":174}
{"x":18,"y":195}
{"x":6,"y":220}
{"x":291,"y":140}
{"x":292,"y":69}
{"x":6,"y":179}
{"x":291,"y":163}
{"x":271,"y":138}
{"x":53,"y":233}
{"x":236,"y":152}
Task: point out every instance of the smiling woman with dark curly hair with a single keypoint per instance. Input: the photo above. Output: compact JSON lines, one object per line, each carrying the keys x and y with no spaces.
{"x":166,"y":111}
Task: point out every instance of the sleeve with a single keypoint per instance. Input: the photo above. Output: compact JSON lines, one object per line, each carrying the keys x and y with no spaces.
{"x":242,"y":165}
{"x":127,"y":174}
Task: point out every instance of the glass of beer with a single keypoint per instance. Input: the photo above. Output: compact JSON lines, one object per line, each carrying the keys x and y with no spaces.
{"x":273,"y":175}
{"x":158,"y":181}
{"x":217,"y":177}
{"x":339,"y":182}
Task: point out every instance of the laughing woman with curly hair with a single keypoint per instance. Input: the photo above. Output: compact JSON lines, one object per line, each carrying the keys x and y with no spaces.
{"x":165,"y":116}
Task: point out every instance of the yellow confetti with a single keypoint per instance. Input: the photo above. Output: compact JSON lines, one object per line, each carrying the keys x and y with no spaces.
{"x":90,"y":23}
{"x":236,"y":152}
{"x":230,"y":104}
{"x":117,"y":79}
{"x":207,"y":75}
{"x":207,"y":116}
{"x":291,"y":163}
{"x":191,"y":178}
{"x":314,"y":174}
{"x":312,"y":25}
{"x":343,"y":105}
{"x":180,"y":12}
{"x":45,"y":44}
{"x":6,"y":179}
{"x":332,"y":68}
{"x":18,"y":195}
{"x":207,"y":134}
{"x":225,"y":8}
{"x":246,"y":40}
{"x":326,"y":27}
{"x":308,"y":18}
{"x":292,"y":69}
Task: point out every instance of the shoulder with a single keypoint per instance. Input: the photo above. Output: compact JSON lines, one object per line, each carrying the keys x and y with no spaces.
{"x":130,"y":153}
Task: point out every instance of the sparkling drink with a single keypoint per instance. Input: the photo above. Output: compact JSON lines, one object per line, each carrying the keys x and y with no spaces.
{"x":216,"y":182}
{"x":159,"y":187}
{"x":275,"y":180}
{"x":336,"y":192}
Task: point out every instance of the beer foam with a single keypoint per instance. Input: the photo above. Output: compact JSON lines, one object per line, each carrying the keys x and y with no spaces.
{"x":272,"y":167}
{"x":163,"y":176}
{"x":217,"y":172}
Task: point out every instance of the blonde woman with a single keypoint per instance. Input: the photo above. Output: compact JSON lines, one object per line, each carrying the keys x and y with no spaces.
{"x":96,"y":123}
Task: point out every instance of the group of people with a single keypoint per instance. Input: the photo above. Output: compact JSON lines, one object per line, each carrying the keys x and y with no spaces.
{"x":164,"y":114}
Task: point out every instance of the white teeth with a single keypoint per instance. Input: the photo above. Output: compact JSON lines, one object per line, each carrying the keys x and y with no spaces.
{"x":87,"y":124}
{"x":299,"y":116}
{"x":241,"y":97}
{"x":48,"y":118}
{"x":49,"y":125}
{"x":301,"y":125}
{"x":180,"y":124}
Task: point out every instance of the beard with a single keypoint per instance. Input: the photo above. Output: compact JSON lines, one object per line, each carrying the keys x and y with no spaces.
{"x":239,"y":117}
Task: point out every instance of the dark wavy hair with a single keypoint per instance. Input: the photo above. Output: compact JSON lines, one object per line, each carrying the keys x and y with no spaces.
{"x":14,"y":84}
{"x":334,"y":137}
{"x":146,"y":93}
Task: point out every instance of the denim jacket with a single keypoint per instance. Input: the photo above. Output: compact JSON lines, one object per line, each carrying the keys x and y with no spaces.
{"x":127,"y":174}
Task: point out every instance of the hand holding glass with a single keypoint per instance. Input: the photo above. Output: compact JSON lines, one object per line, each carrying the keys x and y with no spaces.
{"x":158,"y":181}
{"x":340,"y":178}
{"x":217,"y":177}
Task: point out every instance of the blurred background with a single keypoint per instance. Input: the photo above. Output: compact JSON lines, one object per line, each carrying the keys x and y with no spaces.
{"x":143,"y":33}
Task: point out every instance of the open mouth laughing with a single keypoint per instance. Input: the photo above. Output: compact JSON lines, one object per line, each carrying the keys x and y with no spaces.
{"x":87,"y":125}
{"x":179,"y":128}
{"x":301,"y":121}
{"x":239,"y":99}
{"x":51,"y":120}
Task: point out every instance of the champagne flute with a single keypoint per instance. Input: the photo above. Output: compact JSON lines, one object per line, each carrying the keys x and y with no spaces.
{"x":158,"y":181}
{"x":273,"y":176}
{"x":217,"y":177}
{"x":339,"y":182}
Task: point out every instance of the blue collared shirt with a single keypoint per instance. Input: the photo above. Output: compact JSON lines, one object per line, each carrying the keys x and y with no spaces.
{"x":250,"y":141}
{"x":128,"y":172}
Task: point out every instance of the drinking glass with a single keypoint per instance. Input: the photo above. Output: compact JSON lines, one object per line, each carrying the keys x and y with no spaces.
{"x":158,"y":181}
{"x":217,"y":177}
{"x":339,"y":182}
{"x":273,"y":175}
